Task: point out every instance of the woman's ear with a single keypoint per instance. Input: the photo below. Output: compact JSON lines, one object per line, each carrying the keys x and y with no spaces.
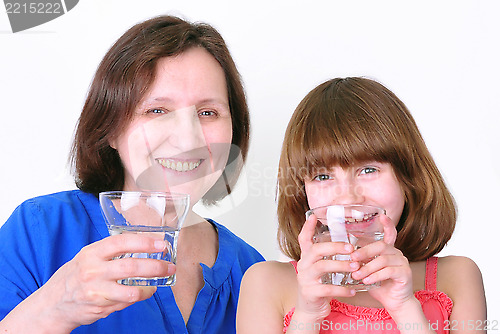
{"x":112,"y":143}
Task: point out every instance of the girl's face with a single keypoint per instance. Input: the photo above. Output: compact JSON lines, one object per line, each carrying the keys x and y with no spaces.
{"x":371,"y":183}
{"x":180,"y":135}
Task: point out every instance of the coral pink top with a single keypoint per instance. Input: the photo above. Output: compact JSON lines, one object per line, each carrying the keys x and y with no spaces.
{"x":347,"y":318}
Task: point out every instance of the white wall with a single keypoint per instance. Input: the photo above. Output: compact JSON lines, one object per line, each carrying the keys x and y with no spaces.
{"x":440,"y":58}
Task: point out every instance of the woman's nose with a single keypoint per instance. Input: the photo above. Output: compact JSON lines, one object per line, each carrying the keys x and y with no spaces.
{"x":186,"y":132}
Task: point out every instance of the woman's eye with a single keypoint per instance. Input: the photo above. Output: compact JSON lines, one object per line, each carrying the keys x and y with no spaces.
{"x":322,"y":177}
{"x":368,"y":170}
{"x":155,"y":111}
{"x":207,"y":113}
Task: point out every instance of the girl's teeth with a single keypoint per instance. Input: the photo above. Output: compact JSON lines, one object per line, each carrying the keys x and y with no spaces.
{"x":360,"y":220}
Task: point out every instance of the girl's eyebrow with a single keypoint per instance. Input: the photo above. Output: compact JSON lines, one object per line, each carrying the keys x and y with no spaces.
{"x":367,"y":162}
{"x":322,"y":170}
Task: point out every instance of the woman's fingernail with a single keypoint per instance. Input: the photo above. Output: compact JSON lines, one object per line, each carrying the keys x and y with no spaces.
{"x":160,"y":244}
{"x":171,"y":268}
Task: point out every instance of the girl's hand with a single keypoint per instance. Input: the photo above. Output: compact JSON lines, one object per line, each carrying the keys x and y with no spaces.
{"x":313,"y":296}
{"x":85,"y":289}
{"x":390,"y":267}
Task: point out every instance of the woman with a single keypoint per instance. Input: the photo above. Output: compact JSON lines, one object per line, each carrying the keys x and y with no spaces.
{"x":166,"y":111}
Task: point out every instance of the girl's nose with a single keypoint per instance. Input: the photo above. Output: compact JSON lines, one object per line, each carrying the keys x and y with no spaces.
{"x":349,"y":193}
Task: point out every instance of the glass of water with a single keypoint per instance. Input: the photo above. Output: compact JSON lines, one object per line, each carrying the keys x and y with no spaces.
{"x":156,"y":214}
{"x":358,"y":225}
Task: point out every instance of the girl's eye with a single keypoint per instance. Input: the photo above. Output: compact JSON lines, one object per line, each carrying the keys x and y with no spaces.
{"x":322,"y":177}
{"x":368,"y":170}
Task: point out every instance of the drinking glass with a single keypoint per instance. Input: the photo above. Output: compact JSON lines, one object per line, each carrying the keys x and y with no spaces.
{"x":358,"y":225}
{"x":156,"y":214}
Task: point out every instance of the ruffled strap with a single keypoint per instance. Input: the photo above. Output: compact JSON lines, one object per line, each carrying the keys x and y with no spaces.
{"x":431,"y":274}
{"x":442,"y":298}
{"x":356,"y":312}
{"x":360,"y":312}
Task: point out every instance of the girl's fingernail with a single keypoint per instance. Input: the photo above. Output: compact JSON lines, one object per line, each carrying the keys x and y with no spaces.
{"x":355,"y":274}
{"x":354,"y":265}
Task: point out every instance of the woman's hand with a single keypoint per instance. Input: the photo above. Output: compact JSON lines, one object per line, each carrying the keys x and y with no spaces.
{"x":388,"y":266}
{"x":314,"y":297}
{"x":85,"y":289}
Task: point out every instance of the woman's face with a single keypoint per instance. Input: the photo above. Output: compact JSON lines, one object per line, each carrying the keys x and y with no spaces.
{"x":370,"y":183}
{"x":180,"y":136}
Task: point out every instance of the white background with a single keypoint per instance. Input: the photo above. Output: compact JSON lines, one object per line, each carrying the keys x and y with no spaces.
{"x":440,"y":57}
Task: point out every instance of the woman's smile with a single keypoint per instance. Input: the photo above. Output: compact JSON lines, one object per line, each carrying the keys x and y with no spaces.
{"x":179,"y":165}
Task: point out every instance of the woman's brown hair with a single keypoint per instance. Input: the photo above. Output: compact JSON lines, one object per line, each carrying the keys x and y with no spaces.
{"x":347,"y":121}
{"x":123,"y":77}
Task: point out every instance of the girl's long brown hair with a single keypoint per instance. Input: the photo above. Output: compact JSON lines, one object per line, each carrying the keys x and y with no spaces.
{"x":352,"y":120}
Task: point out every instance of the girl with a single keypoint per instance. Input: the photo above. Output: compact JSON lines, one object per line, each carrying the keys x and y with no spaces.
{"x":166,"y":111}
{"x":352,"y":141}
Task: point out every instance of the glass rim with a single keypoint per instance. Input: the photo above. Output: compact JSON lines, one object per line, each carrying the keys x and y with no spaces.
{"x":163,"y":194}
{"x":311,"y":211}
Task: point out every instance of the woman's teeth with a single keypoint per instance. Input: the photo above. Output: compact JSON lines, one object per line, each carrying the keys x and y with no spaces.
{"x":179,"y":166}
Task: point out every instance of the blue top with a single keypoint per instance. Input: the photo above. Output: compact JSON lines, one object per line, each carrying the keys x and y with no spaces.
{"x":45,"y":232}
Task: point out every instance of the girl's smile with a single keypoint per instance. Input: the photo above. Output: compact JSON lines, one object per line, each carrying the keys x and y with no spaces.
{"x":369,"y":183}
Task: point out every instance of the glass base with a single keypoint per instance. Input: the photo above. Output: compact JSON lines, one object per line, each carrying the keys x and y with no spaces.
{"x":156,"y":281}
{"x":345,"y":279}
{"x":362,"y":287}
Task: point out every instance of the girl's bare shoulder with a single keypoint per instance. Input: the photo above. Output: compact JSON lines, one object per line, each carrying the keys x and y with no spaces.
{"x":459,"y":277}
{"x":457,"y":269}
{"x":277,"y":280}
{"x":271,"y":273}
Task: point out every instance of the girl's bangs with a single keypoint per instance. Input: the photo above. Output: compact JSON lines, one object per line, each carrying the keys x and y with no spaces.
{"x":324,"y":142}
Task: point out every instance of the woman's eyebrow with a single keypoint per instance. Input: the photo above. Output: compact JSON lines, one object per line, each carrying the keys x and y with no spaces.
{"x":165,"y":99}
